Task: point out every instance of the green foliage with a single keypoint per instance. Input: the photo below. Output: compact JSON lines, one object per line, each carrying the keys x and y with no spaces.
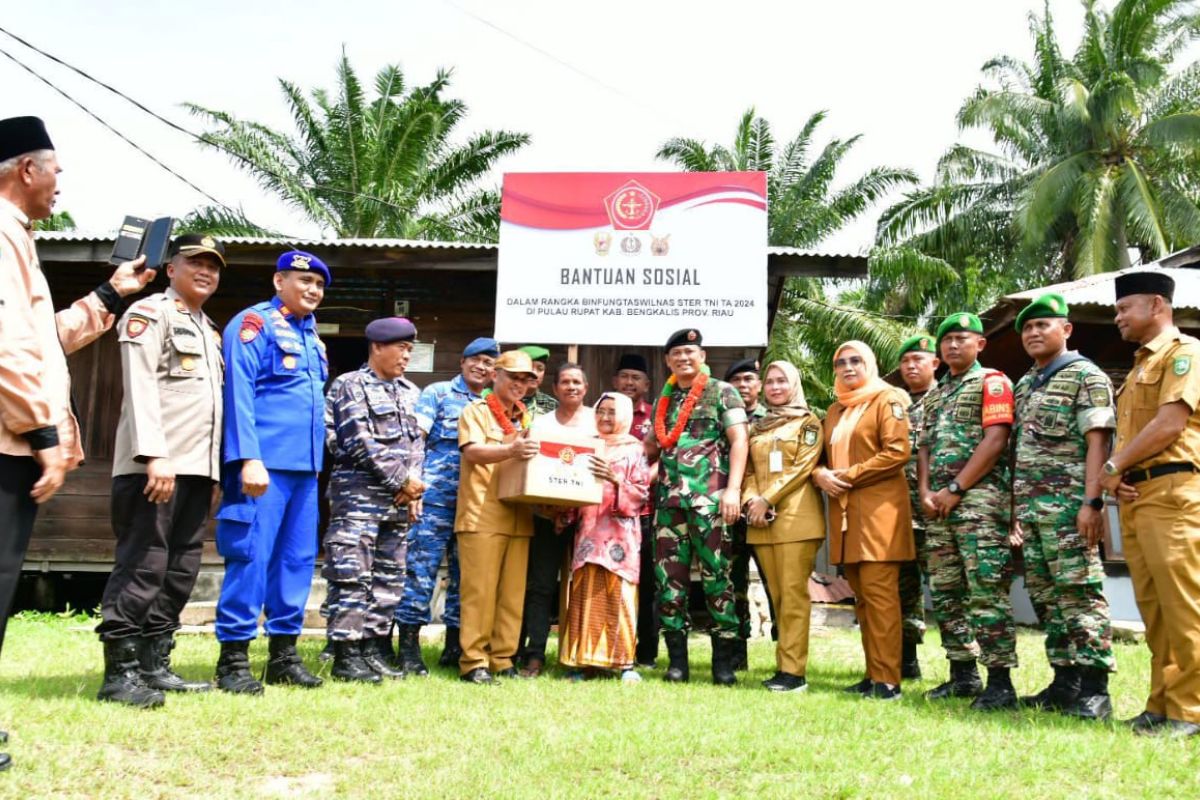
{"x":58,"y":221}
{"x":358,"y":166}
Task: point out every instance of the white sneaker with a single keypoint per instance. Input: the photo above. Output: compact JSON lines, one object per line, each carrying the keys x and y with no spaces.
{"x":630,"y":676}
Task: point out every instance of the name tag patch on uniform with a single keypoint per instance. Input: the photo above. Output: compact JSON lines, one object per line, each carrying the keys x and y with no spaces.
{"x":1182,"y":365}
{"x":182,"y":332}
{"x":136,"y":326}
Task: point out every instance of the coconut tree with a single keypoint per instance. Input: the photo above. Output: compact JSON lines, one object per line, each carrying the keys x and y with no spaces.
{"x":356,"y":166}
{"x":805,"y":205}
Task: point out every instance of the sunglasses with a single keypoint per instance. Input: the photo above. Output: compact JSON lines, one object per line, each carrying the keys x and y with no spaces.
{"x":852,"y":361}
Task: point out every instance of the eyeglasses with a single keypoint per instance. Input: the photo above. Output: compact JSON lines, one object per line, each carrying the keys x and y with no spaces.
{"x":852,"y":361}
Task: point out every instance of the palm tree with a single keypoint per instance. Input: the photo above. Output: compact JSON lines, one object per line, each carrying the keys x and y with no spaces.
{"x":359,"y":167}
{"x":1095,"y":154}
{"x":803,"y":209}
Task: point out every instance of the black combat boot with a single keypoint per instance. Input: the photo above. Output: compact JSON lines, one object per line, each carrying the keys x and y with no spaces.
{"x":999,"y":693}
{"x":410,"y":651}
{"x":910,"y":665}
{"x":452,"y":650}
{"x":741,"y":655}
{"x":348,"y":663}
{"x":964,"y":682}
{"x":122,"y":681}
{"x":1061,"y":693}
{"x":378,"y":655}
{"x":722,"y":662}
{"x":284,"y":665}
{"x":233,"y":669}
{"x":1093,"y":701}
{"x":677,"y":652}
{"x":154,"y":659}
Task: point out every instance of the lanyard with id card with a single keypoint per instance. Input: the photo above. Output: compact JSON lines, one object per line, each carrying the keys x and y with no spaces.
{"x":775,"y":457}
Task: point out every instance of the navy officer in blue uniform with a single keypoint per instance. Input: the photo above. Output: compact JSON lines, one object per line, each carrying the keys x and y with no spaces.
{"x":275,"y":373}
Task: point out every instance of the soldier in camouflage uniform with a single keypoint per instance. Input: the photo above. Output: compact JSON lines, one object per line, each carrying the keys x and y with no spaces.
{"x":743,"y":376}
{"x":431,"y":538}
{"x":1064,"y":421}
{"x":918,"y":364}
{"x":536,"y":401}
{"x":965,"y":495}
{"x":376,"y":473}
{"x":703,"y":460}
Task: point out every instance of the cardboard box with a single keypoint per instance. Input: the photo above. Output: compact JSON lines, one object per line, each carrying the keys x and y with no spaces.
{"x":559,"y":475}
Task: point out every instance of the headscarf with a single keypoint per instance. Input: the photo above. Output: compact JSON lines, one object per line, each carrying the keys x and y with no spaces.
{"x":624,"y":420}
{"x":792,"y":407}
{"x":855,"y":401}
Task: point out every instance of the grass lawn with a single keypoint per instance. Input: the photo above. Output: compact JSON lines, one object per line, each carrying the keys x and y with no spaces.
{"x":551,"y":738}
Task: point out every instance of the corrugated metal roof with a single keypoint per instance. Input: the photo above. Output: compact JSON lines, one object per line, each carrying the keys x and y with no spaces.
{"x":1097,"y":290}
{"x":70,"y":237}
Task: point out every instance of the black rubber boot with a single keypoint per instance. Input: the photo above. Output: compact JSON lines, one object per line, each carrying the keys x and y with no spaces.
{"x":1093,"y":701}
{"x":722,"y":662}
{"x":233,"y":669}
{"x":410,"y":651}
{"x":910,"y":665}
{"x":1061,"y":692}
{"x":348,"y":663}
{"x":154,"y":659}
{"x":964,"y":682}
{"x":378,"y":656}
{"x":999,"y":693}
{"x":284,"y":666}
{"x":452,"y":650}
{"x":122,"y":681}
{"x":677,"y":652}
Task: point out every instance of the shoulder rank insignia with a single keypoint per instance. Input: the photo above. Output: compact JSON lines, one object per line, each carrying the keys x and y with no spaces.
{"x":252,"y":324}
{"x":1182,"y":365}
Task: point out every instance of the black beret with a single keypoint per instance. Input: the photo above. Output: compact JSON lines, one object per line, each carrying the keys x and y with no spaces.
{"x":190,"y":244}
{"x":391,"y":329}
{"x":745,"y":365}
{"x":685,"y":336}
{"x":21,"y":135}
{"x":1147,"y":282}
{"x":633,"y":361}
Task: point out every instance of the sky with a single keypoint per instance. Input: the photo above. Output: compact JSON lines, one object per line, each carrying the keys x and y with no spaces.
{"x":599,"y":87}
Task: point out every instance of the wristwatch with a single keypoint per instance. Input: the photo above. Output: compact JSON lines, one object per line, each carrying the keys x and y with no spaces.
{"x":1097,"y":503}
{"x":1110,"y":468}
{"x":955,"y":489}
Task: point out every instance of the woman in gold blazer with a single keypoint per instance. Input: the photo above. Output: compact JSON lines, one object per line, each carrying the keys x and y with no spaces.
{"x":785,"y":515}
{"x":870,"y":518}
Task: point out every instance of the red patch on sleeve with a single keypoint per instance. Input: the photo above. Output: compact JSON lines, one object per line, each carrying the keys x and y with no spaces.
{"x":997,"y":401}
{"x":252,"y":323}
{"x":136,"y":326}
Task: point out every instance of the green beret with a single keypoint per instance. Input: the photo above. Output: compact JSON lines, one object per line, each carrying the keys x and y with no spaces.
{"x":536,"y":353}
{"x":963,"y":321}
{"x":922,"y":343}
{"x":1050,"y":304}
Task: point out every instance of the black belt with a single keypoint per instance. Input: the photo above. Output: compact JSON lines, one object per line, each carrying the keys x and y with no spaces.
{"x":1139,"y":475}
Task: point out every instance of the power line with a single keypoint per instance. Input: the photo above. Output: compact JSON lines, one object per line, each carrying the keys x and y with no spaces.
{"x":196,"y":137}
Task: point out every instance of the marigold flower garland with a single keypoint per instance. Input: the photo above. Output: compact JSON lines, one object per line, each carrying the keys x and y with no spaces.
{"x":685,"y":411}
{"x":497,"y":409}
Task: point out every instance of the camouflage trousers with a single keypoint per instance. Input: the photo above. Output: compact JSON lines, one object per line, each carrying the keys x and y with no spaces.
{"x":364,"y":569}
{"x":429,"y":541}
{"x":682,"y":533}
{"x":1065,"y":580}
{"x":970,"y":574}
{"x":912,"y":593}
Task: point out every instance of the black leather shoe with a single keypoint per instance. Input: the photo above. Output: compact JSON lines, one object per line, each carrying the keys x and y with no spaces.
{"x":284,"y":666}
{"x":5,"y":761}
{"x":479,"y":675}
{"x":233,"y":669}
{"x":510,"y":672}
{"x":882,"y":691}
{"x":1173,"y":729}
{"x":154,"y":663}
{"x":862,"y":687}
{"x":786,"y":682}
{"x":1145,"y":721}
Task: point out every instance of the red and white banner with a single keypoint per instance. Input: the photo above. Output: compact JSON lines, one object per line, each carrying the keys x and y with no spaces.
{"x":629,"y":258}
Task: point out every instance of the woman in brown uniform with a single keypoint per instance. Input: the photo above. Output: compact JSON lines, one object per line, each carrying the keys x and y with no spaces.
{"x":870,"y":521}
{"x":785,"y":514}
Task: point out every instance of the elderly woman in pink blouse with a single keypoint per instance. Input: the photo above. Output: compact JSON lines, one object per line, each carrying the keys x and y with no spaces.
{"x":600,"y":630}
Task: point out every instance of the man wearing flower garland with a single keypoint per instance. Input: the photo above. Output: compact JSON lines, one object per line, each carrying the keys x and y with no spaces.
{"x":493,"y":537}
{"x":700,"y":430}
